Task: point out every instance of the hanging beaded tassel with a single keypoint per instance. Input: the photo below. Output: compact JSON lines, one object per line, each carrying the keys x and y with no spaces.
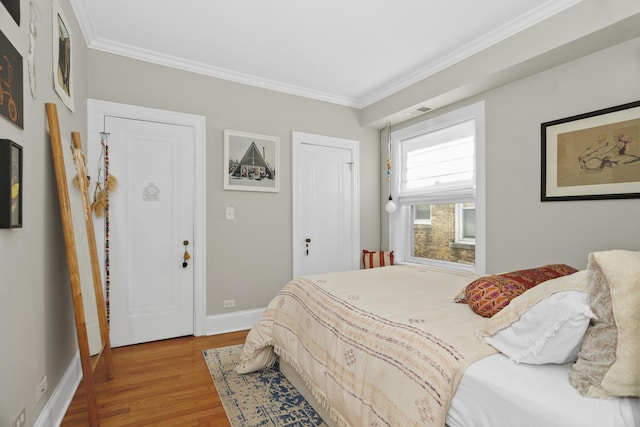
{"x":100,"y":206}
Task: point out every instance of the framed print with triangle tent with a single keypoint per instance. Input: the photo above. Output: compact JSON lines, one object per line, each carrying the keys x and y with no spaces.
{"x":251,"y":162}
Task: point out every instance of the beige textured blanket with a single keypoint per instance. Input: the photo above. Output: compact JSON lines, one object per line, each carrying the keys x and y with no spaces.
{"x":384,"y":346}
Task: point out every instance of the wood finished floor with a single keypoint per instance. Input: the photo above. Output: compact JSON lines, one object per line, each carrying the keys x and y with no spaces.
{"x":162,"y":383}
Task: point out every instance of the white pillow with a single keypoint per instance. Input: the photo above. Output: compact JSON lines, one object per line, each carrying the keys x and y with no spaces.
{"x":546,"y":324}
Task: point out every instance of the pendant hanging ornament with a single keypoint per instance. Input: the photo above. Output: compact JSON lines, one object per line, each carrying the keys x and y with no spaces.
{"x":105,"y":182}
{"x":390,"y":207}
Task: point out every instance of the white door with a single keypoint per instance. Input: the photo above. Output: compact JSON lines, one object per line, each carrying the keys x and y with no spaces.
{"x":326,"y":215}
{"x":151,"y":218}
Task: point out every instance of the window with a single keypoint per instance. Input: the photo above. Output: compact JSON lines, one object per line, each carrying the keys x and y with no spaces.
{"x":466,"y":223}
{"x":422,"y":214}
{"x":437,"y":170}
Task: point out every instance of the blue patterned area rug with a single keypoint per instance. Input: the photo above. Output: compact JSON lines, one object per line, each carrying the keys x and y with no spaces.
{"x":265,"y":398}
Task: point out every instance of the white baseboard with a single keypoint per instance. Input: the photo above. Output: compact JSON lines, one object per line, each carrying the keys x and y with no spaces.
{"x":56,"y":407}
{"x":231,"y":322}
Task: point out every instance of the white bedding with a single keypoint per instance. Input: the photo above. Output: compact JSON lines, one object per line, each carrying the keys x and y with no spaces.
{"x":497,"y":392}
{"x":384,"y":346}
{"x":388,"y":347}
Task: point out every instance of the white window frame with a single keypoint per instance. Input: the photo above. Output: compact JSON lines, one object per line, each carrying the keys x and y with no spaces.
{"x":459,"y":209}
{"x":401,"y":221}
{"x":423,"y":221}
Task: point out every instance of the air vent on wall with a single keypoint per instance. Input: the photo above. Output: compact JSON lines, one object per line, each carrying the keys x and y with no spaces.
{"x":423,"y":109}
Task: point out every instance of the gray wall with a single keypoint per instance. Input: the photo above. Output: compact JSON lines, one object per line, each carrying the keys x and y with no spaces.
{"x":36,"y":321}
{"x":521,"y":230}
{"x":248,"y":259}
{"x":36,"y":314}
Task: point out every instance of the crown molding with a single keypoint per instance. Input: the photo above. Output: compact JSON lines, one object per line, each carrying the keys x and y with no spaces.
{"x":503,"y":32}
{"x":545,"y":10}
{"x":213,"y":71}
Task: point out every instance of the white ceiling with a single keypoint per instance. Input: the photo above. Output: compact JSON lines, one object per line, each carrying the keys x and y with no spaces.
{"x":351,"y":52}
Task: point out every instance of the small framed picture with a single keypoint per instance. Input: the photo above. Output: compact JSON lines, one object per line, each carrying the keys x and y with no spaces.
{"x":13,"y":7}
{"x":251,"y":162}
{"x":62,"y":57}
{"x":10,"y":184}
{"x":11,"y":98}
{"x":592,"y":156}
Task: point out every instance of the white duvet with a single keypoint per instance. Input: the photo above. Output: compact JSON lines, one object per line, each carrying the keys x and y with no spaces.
{"x":383,"y":347}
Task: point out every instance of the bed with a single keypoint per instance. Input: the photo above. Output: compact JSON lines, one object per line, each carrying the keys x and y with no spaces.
{"x":389,"y":347}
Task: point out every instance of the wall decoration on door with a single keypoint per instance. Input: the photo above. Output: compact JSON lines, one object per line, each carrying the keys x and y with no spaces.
{"x":62,"y":57}
{"x":592,"y":156}
{"x":10,"y":184}
{"x":251,"y":161}
{"x":11,"y":101}
{"x":151,"y":193}
{"x":13,"y":7}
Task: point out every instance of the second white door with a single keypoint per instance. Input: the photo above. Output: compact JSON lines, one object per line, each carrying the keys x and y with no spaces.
{"x":151,"y":228}
{"x":326,"y":214}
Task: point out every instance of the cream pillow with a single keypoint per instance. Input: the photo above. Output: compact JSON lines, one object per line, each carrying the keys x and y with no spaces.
{"x":608,"y":364}
{"x":545,"y":324}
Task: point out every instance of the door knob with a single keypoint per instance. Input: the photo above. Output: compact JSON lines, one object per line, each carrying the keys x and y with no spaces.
{"x":306,"y":244}
{"x":186,"y":257}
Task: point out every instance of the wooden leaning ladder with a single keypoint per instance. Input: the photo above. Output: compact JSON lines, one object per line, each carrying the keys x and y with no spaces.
{"x":88,"y":365}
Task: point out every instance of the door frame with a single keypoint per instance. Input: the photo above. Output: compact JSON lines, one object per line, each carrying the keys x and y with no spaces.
{"x":97,"y":111}
{"x":297,"y":139}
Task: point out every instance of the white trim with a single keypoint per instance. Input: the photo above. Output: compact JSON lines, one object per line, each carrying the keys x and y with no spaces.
{"x":232,"y":322}
{"x":97,"y":111}
{"x":459,"y":223}
{"x":56,"y":407}
{"x":297,"y":139}
{"x":509,"y":29}
{"x":94,"y":41}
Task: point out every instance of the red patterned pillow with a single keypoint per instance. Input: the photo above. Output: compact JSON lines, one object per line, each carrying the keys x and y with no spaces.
{"x":376,"y":259}
{"x":488,"y":295}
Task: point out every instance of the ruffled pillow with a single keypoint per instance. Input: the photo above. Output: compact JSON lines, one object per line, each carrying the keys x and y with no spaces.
{"x":545,"y":324}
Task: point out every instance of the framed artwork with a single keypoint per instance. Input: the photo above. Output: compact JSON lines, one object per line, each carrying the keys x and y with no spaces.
{"x":251,"y":162}
{"x":592,"y":156}
{"x":13,"y":7}
{"x":62,"y":57}
{"x":10,"y":184}
{"x":11,"y":97}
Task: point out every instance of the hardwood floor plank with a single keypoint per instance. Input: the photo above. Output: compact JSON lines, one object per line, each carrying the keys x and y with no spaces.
{"x":162,"y":383}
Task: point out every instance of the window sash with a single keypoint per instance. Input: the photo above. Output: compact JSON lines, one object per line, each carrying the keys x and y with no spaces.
{"x":438,"y":162}
{"x":462,"y":235}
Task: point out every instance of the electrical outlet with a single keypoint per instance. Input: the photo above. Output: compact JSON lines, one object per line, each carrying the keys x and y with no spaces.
{"x":229,"y":303}
{"x":41,"y":389}
{"x":21,"y":419}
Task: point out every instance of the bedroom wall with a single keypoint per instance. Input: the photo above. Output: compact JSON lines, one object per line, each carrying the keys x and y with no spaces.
{"x":248,"y":259}
{"x":521,"y":230}
{"x":36,"y":314}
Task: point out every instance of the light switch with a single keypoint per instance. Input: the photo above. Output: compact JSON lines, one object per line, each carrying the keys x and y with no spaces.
{"x":230,"y":214}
